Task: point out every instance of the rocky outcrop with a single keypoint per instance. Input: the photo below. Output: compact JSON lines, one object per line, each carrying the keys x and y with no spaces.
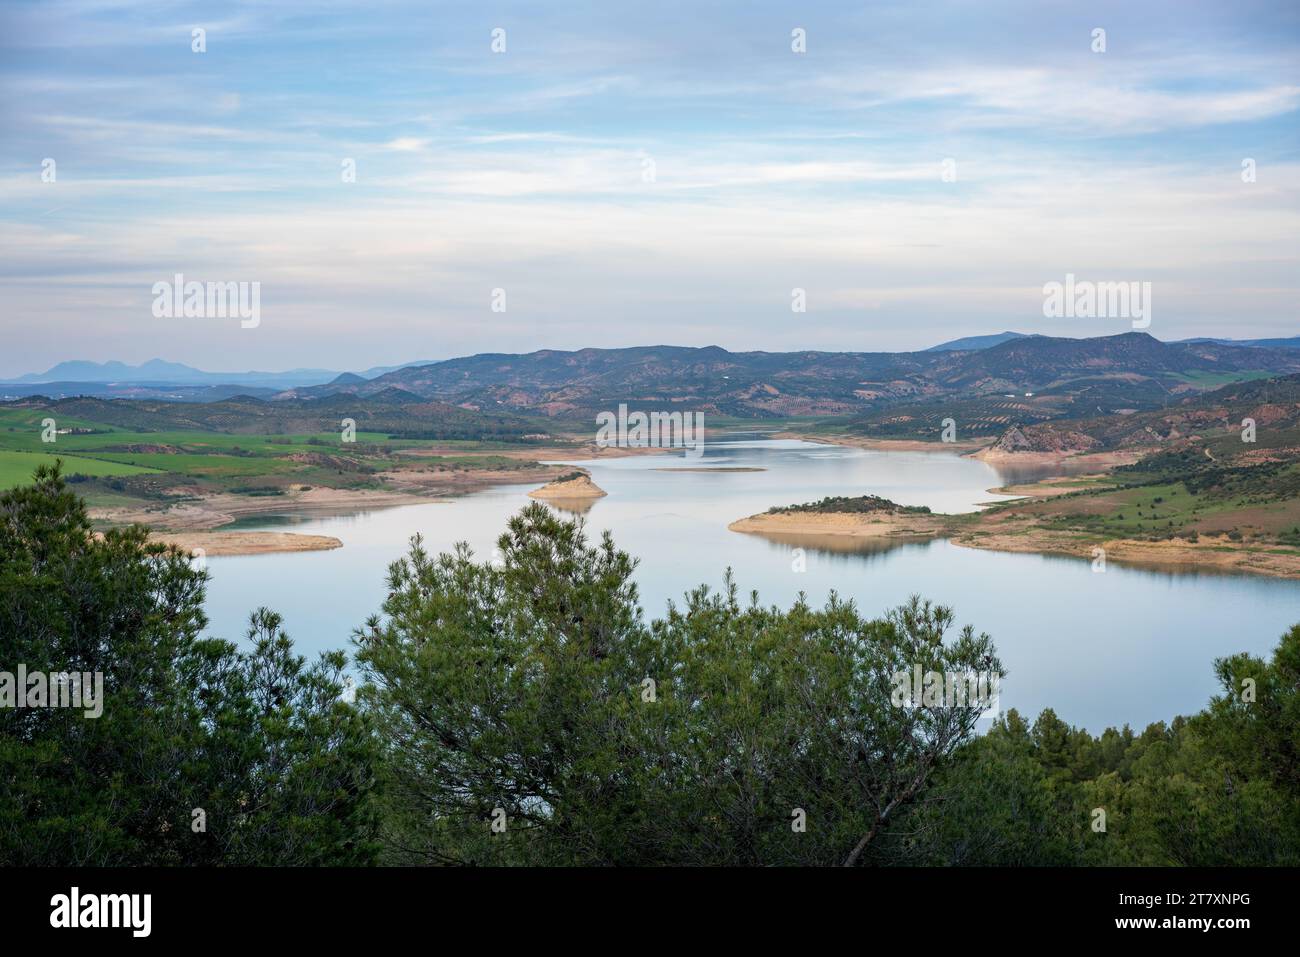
{"x":1043,"y":438}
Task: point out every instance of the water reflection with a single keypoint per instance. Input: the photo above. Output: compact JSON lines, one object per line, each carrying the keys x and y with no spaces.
{"x":571,"y":506}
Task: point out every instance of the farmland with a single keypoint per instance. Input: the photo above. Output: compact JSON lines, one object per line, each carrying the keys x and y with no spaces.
{"x":133,"y":473}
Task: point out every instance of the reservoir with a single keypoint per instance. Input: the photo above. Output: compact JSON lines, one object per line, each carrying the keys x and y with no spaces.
{"x":1127,"y":646}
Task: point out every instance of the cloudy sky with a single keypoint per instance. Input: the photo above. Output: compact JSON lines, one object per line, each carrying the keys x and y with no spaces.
{"x":636,"y":173}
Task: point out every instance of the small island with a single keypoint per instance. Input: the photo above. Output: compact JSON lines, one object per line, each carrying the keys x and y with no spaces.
{"x":862,"y":516}
{"x":571,"y":485}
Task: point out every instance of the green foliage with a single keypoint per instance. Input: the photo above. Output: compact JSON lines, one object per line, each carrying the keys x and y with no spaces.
{"x":16,"y":468}
{"x":258,"y":740}
{"x":388,"y":413}
{"x":853,"y":504}
{"x":1220,"y":789}
{"x":534,"y":688}
{"x":531,"y":690}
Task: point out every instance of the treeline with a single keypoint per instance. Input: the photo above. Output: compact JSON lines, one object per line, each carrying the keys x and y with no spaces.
{"x":524,"y":711}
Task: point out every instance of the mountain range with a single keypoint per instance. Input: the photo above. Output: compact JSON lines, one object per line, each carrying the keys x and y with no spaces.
{"x":984,"y":342}
{"x":1047,"y":376}
{"x":161,"y":372}
{"x":1130,"y":370}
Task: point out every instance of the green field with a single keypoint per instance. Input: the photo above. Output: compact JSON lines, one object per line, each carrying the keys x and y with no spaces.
{"x":108,"y":451}
{"x":25,"y":433}
{"x":1257,"y":502}
{"x":16,"y":468}
{"x":1204,"y":379}
{"x":218,"y":461}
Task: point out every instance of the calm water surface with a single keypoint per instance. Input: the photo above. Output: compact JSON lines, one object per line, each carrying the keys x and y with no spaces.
{"x":1127,"y":646}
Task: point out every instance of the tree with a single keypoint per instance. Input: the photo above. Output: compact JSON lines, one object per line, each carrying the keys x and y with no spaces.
{"x":1218,"y":789}
{"x":201,"y":753}
{"x":502,"y":694}
{"x":993,"y":806}
{"x":531,"y":694}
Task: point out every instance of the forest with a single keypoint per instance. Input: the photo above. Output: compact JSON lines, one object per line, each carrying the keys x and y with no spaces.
{"x":527,"y":711}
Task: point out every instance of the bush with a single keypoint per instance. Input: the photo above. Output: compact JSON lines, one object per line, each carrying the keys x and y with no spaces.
{"x":531,"y":692}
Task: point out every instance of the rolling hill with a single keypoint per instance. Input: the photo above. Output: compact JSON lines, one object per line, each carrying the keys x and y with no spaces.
{"x":1131,"y":370}
{"x":392,"y":411}
{"x":1209,"y":421}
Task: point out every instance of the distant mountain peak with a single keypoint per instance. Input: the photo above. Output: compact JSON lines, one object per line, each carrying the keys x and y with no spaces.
{"x":161,"y":372}
{"x":83,"y":370}
{"x":967,"y":343}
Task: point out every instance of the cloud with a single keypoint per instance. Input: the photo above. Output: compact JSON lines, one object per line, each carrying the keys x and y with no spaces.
{"x":663,"y":174}
{"x":407,"y":144}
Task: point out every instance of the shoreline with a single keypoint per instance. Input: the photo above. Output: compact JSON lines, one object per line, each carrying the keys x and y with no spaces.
{"x":991,"y":530}
{"x":209,"y":512}
{"x":881,"y":529}
{"x":197,"y":509}
{"x":1049,"y":487}
{"x":1178,"y":556}
{"x":965,"y":446}
{"x":1100,"y":460}
{"x":979,"y":447}
{"x":198,"y":520}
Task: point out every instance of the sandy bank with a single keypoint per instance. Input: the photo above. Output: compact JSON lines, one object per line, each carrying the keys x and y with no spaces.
{"x":1183,"y":556}
{"x":884,"y":529}
{"x":245,"y":543}
{"x":1098,"y":460}
{"x":540,"y":453}
{"x":203,"y":511}
{"x":891,"y":445}
{"x":1051,"y":487}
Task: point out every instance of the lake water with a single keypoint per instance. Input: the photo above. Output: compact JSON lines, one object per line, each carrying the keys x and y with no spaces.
{"x":1125,"y":646}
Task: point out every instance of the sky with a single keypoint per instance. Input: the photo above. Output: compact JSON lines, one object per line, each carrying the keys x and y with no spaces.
{"x":618,"y":174}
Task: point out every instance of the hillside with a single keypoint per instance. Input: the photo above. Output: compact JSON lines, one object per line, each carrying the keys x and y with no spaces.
{"x":396,"y":413}
{"x":709,"y":379}
{"x":987,"y":382}
{"x":1210,"y":421}
{"x":1130,"y":370}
